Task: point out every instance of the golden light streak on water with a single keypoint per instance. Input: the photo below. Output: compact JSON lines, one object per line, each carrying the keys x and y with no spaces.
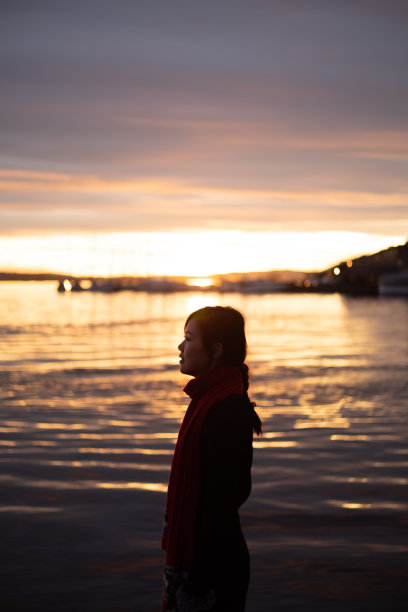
{"x":273,"y":434}
{"x":355,"y":506}
{"x":105,"y":464}
{"x":27,"y":443}
{"x":91,"y":436}
{"x":349,"y":438}
{"x":169,"y":436}
{"x":199,"y":300}
{"x":277,"y":444}
{"x":374,"y":479}
{"x":119,"y":423}
{"x":116,"y":436}
{"x":124,"y":451}
{"x":336,"y":422}
{"x":60,"y":426}
{"x":85,"y":484}
{"x":15,"y":423}
{"x":142,"y":486}
{"x":368,"y":506}
{"x":364,"y":437}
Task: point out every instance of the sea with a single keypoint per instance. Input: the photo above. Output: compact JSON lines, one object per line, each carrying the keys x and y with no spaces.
{"x":91,"y":403}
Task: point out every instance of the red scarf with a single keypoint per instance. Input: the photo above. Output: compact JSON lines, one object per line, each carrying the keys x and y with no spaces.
{"x":179,"y":537}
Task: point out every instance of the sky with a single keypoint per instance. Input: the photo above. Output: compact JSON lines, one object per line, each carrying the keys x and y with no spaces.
{"x":199,"y":137}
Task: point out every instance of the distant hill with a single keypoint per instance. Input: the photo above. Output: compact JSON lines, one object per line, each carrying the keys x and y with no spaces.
{"x":362,"y":274}
{"x":32,"y":276}
{"x":389,"y":260}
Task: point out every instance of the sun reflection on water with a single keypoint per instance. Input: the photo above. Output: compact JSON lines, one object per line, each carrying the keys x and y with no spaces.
{"x":142,"y":486}
{"x":124,"y":451}
{"x":273,"y":434}
{"x":105,"y":464}
{"x":274,"y":444}
{"x":327,"y":423}
{"x":199,"y":300}
{"x":60,"y":426}
{"x":349,"y":438}
{"x":92,"y":377}
{"x":117,"y":436}
{"x":383,"y":505}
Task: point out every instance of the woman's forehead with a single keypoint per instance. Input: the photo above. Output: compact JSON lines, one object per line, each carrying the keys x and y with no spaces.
{"x":192,"y":327}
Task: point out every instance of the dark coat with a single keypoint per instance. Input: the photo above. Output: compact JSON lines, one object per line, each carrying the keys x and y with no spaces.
{"x":222,"y":559}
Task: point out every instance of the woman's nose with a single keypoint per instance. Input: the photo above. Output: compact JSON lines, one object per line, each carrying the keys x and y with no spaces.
{"x":181,"y":346}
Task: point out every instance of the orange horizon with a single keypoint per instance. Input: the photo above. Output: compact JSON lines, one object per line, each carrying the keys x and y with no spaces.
{"x":88,"y":268}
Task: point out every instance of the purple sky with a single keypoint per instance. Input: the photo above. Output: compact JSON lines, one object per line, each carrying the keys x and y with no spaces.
{"x":174,"y":116}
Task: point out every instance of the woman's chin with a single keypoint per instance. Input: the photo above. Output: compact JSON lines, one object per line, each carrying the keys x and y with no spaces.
{"x":184,"y":370}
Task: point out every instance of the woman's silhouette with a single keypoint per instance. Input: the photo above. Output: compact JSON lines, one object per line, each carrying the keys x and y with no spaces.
{"x":207,"y":560}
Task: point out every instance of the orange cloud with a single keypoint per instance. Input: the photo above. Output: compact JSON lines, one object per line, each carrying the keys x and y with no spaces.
{"x":28,"y":181}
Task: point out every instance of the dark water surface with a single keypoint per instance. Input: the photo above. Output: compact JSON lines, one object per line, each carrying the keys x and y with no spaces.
{"x":91,"y":403}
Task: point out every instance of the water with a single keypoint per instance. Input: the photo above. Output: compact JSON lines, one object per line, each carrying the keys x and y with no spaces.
{"x":91,"y":403}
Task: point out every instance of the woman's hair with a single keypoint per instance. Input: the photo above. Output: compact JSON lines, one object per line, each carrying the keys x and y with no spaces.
{"x":226,"y":325}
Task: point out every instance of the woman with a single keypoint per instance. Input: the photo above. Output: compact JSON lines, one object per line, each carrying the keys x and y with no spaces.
{"x":207,"y":560}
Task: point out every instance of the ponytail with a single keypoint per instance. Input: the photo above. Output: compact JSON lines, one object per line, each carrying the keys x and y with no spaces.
{"x":256,"y":421}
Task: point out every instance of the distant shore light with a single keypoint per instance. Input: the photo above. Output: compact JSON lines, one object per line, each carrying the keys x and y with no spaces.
{"x":67,"y":285}
{"x":336,"y":271}
{"x":85,"y":284}
{"x":200,"y":282}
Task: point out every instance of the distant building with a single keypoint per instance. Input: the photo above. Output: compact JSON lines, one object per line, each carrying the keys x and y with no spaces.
{"x":394,"y":284}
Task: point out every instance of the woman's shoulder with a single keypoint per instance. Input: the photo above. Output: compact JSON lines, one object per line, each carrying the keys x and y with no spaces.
{"x":235,"y":401}
{"x":236,"y":407}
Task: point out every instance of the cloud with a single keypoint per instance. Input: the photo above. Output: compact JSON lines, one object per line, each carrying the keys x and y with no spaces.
{"x":168,"y":115}
{"x":61,"y":202}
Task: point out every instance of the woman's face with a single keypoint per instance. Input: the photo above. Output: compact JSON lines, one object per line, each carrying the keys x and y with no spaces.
{"x":194,"y":359}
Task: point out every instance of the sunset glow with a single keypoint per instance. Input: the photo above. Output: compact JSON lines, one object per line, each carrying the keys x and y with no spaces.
{"x":194,"y":254}
{"x":200,"y":282}
{"x":152,"y":141}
